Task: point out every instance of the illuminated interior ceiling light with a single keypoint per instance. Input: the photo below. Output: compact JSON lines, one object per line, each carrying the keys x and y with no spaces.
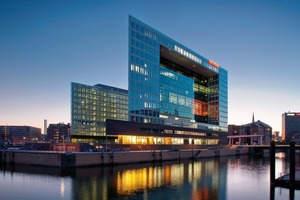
{"x":163,"y":116}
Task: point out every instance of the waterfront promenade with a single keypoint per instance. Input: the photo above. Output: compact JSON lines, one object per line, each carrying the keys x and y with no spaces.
{"x":81,"y":159}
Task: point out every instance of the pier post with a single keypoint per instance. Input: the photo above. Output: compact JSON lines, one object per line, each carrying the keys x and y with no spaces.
{"x":292,"y":163}
{"x":11,"y":158}
{"x":3,"y":156}
{"x":272,"y":192}
{"x":272,"y":164}
{"x":102,"y":158}
{"x":112,"y":157}
{"x":193,"y":154}
{"x":292,"y":193}
{"x":153,"y":155}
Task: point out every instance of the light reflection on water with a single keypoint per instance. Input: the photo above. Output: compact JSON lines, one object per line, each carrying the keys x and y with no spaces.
{"x":226,"y":178}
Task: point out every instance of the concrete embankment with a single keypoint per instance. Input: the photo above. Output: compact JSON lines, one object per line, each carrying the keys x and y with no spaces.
{"x":80,"y":159}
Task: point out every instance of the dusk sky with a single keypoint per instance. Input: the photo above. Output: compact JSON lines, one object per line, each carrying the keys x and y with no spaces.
{"x":46,"y":45}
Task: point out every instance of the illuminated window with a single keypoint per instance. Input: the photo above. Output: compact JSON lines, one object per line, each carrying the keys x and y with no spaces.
{"x":200,"y":108}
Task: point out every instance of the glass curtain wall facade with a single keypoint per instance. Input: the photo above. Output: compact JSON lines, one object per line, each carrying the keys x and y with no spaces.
{"x":176,"y":94}
{"x":91,"y":106}
{"x":169,"y":84}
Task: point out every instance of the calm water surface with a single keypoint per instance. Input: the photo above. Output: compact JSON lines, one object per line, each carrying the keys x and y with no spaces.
{"x":229,"y":178}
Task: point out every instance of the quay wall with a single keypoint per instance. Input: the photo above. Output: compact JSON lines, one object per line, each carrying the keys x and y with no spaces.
{"x":31,"y":158}
{"x":80,"y":159}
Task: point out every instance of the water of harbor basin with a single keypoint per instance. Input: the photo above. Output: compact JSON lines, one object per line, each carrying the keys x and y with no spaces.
{"x":226,"y":178}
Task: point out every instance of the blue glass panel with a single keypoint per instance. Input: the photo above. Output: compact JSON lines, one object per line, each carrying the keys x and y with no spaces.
{"x":223,"y":100}
{"x":176,"y":94}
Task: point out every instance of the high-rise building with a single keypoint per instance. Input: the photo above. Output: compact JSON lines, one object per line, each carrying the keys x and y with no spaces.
{"x":18,"y":135}
{"x":176,"y":96}
{"x":291,"y":127}
{"x":91,"y":106}
{"x":169,"y":82}
{"x":58,"y":133}
{"x":45,"y":126}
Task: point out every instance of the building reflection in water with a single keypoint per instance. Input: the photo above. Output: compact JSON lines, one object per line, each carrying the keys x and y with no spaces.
{"x":220,"y":178}
{"x":202,"y":179}
{"x":90,"y":184}
{"x":198,"y":180}
{"x":131,"y":181}
{"x":62,"y":188}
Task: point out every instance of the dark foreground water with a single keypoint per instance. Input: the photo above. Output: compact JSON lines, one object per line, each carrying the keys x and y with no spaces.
{"x":230,"y":178}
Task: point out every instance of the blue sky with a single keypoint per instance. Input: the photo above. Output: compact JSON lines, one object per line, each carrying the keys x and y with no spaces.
{"x":46,"y":45}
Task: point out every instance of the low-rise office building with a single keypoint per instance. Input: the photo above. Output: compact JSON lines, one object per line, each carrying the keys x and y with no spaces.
{"x":256,"y":132}
{"x":18,"y":135}
{"x":91,"y":106}
{"x":58,"y":133}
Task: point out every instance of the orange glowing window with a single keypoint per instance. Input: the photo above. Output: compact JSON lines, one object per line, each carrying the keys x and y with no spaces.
{"x":200,"y":108}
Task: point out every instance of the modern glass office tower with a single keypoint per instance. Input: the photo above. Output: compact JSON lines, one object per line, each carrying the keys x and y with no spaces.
{"x":91,"y":106}
{"x":175,"y":97}
{"x":170,"y":84}
{"x":291,"y":127}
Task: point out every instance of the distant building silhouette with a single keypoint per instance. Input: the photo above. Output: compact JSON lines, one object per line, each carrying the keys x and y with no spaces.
{"x":18,"y":135}
{"x":276,"y":137}
{"x":234,"y":130}
{"x":58,"y":133}
{"x":252,"y":133}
